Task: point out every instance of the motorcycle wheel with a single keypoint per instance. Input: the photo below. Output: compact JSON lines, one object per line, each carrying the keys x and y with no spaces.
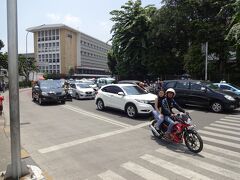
{"x":155,"y":135}
{"x":193,"y":141}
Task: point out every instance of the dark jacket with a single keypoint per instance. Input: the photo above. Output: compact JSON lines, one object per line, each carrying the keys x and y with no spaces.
{"x":168,"y":104}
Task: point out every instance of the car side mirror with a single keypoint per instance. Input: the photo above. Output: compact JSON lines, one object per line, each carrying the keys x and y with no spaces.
{"x":120,"y":93}
{"x":203,"y":89}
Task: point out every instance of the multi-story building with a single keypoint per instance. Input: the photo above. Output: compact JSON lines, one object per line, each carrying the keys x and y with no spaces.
{"x":59,"y":48}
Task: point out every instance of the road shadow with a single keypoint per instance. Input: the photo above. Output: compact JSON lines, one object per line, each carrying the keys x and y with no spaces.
{"x":180,"y":148}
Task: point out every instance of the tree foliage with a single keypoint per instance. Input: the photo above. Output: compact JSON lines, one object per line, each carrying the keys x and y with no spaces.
{"x":149,"y":41}
{"x":26,"y":66}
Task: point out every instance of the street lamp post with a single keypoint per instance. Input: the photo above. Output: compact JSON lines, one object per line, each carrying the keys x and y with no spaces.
{"x":17,"y":169}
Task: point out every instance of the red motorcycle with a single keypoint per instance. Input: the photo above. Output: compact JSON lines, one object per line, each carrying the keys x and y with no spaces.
{"x":182,"y":130}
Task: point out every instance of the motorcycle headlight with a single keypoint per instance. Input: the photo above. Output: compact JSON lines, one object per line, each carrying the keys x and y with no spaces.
{"x":63,"y":93}
{"x":142,"y":101}
{"x":230,"y":98}
{"x":44,"y":93}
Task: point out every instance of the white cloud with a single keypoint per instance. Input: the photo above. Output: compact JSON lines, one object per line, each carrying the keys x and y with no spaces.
{"x":67,"y":19}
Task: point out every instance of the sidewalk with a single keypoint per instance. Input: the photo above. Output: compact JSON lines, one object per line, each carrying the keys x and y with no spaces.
{"x":5,"y":144}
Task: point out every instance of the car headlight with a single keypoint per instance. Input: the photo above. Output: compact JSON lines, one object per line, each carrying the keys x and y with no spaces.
{"x":44,"y":93}
{"x":63,"y":93}
{"x":81,"y":92}
{"x":230,"y":98}
{"x":141,"y":101}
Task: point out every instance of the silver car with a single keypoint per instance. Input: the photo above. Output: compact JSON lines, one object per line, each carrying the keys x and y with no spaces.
{"x":82,"y":91}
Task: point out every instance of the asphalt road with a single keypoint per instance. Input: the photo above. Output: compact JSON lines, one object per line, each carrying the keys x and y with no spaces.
{"x":76,"y":141}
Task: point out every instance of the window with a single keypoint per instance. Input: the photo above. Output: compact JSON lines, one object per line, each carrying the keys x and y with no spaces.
{"x":169,"y":84}
{"x":107,"y":89}
{"x":196,"y":87}
{"x":225,"y":87}
{"x":182,"y":85}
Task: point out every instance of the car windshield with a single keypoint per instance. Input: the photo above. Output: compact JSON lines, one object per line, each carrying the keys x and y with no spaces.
{"x":133,"y":90}
{"x":237,"y":87}
{"x":83,"y":85}
{"x":50,"y":84}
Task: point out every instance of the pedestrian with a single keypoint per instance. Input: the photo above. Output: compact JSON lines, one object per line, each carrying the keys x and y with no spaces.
{"x":1,"y":104}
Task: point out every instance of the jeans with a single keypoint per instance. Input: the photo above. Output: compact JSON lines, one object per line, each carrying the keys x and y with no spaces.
{"x":171,"y":124}
{"x":158,"y":117}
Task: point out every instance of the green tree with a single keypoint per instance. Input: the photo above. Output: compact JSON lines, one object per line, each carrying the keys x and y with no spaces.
{"x":26,"y":66}
{"x":1,"y":44}
{"x":112,"y":62}
{"x":234,"y":32}
{"x":130,"y":38}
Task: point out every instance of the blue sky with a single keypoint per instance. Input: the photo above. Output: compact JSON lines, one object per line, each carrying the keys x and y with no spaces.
{"x":89,"y":16}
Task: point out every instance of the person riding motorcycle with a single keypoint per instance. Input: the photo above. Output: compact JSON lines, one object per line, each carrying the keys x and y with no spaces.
{"x":167,"y":104}
{"x":157,"y":111}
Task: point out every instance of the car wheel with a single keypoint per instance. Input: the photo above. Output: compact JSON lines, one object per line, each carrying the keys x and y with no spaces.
{"x":131,"y":110}
{"x":216,"y":107}
{"x":40,"y":101}
{"x":100,"y":105}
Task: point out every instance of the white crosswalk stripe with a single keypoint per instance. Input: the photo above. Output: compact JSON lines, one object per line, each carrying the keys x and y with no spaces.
{"x":142,"y":172}
{"x":230,"y":117}
{"x":222,"y":130}
{"x":227,"y":152}
{"x":225,"y":126}
{"x":219,"y":135}
{"x":110,"y":175}
{"x":227,"y":123}
{"x":230,"y":120}
{"x":198,"y":163}
{"x":222,"y":142}
{"x":233,"y":116}
{"x":174,"y":168}
{"x":213,"y":159}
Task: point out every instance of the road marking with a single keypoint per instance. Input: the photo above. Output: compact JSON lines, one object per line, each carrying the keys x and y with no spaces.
{"x":174,"y":168}
{"x":102,"y":118}
{"x":221,"y":150}
{"x":222,"y":160}
{"x":237,"y":116}
{"x":230,"y":120}
{"x":222,"y":130}
{"x":225,"y":127}
{"x":91,"y":138}
{"x":198,"y":163}
{"x":110,"y":175}
{"x":227,"y":123}
{"x":219,"y":135}
{"x":230,"y":117}
{"x":226,"y":143}
{"x":141,"y":171}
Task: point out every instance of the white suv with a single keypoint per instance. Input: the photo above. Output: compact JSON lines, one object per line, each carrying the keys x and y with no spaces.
{"x":127,"y":97}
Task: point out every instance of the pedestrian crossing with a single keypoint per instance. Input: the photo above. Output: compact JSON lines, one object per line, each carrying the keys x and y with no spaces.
{"x":220,"y":158}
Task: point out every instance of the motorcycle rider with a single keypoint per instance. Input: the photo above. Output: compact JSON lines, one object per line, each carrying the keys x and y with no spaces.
{"x":167,"y":104}
{"x":157,"y":112}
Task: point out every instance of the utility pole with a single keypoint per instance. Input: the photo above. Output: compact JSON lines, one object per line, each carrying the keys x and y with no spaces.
{"x":206,"y":60}
{"x":17,"y":169}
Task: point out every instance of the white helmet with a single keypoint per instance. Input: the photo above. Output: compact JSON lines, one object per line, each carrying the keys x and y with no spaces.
{"x":171,"y":90}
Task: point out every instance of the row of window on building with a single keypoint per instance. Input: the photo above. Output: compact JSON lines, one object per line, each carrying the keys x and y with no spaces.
{"x":48,"y":47}
{"x":90,"y":71}
{"x":48,"y":35}
{"x":93,"y":46}
{"x":93,"y":55}
{"x":49,"y":69}
{"x":50,"y":58}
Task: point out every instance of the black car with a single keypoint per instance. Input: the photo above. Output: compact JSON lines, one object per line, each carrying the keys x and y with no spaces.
{"x":48,"y":91}
{"x":202,"y":93}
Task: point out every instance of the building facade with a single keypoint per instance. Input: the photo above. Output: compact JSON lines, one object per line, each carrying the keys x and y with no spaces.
{"x":59,"y":48}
